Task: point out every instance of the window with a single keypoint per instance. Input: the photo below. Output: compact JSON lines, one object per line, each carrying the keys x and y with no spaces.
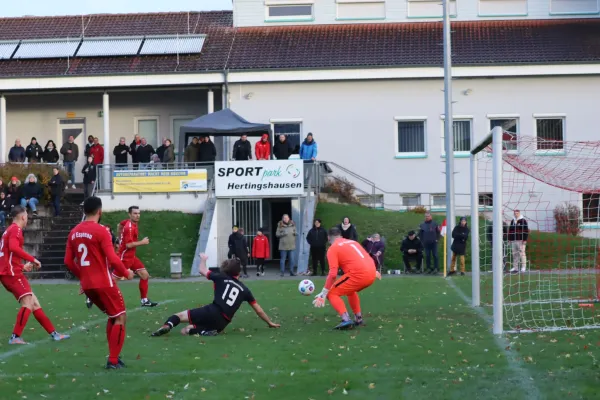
{"x":462,"y":136}
{"x":550,"y":133}
{"x":147,"y":127}
{"x":177,"y":121}
{"x":410,"y":137}
{"x":566,"y":7}
{"x":289,"y":10}
{"x":428,"y":9}
{"x":486,"y":199}
{"x":411,"y":200}
{"x":502,"y":8}
{"x":510,"y":125}
{"x":360,"y":9}
{"x":591,"y":208}
{"x":292,"y":129}
{"x":438,"y":200}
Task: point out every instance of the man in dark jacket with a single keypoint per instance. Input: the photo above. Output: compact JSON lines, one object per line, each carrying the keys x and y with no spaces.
{"x":242,"y":150}
{"x":56,"y":188}
{"x":207,"y":151}
{"x":34,"y":151}
{"x":317,"y":240}
{"x":240,"y":249}
{"x":137,"y":142}
{"x":412,"y":249}
{"x":89,"y":145}
{"x":376,"y":249}
{"x":120,"y":152}
{"x":144,"y":152}
{"x":160,"y":151}
{"x":518,"y":234}
{"x":70,"y":152}
{"x":429,"y":233}
{"x":282,"y":149}
{"x":16,"y":153}
{"x":31,"y":193}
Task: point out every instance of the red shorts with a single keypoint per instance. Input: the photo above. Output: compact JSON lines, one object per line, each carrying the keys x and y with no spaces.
{"x":109,"y":300}
{"x":134,"y":264}
{"x":18,"y":285}
{"x":347,"y":284}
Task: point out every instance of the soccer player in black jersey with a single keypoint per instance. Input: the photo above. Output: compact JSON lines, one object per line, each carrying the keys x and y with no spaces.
{"x":212,"y":319}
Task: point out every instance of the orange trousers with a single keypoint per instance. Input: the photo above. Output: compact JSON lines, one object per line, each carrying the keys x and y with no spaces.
{"x":349,"y":286}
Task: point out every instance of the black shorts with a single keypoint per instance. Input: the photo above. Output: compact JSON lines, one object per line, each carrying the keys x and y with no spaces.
{"x":207,"y":318}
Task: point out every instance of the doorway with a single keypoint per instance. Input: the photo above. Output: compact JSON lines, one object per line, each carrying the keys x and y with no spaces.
{"x":278,"y":207}
{"x":73,"y":127}
{"x":247,"y":214}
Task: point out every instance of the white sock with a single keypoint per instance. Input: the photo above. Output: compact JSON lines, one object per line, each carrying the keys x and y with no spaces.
{"x":144,"y":300}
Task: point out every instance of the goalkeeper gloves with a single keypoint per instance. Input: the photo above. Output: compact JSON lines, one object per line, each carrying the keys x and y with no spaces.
{"x":319,"y":300}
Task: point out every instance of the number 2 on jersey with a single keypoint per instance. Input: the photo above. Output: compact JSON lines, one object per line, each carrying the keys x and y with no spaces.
{"x":84,"y":253}
{"x":232,"y":293}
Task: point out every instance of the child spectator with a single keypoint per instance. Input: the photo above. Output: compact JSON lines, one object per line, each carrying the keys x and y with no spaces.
{"x":260,"y":251}
{"x":460,"y":234}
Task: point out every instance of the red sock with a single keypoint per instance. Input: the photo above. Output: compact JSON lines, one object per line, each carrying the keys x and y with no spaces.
{"x":22,"y":317}
{"x":115,"y":343}
{"x":109,"y":324}
{"x":44,"y":321}
{"x":143,"y":288}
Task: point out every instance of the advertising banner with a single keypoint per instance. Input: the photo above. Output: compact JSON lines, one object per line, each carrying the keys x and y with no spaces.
{"x":160,"y":181}
{"x":259,"y":178}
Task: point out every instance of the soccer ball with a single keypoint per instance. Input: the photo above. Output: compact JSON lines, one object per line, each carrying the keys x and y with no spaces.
{"x":306,"y":287}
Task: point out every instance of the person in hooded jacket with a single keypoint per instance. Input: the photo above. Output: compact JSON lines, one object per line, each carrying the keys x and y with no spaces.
{"x":34,"y":151}
{"x":31,"y":193}
{"x":207,"y":151}
{"x":169,"y":153}
{"x":282,"y":148}
{"x":260,"y":251}
{"x":13,"y":191}
{"x":460,"y":234}
{"x":120,"y":152}
{"x":262,"y":148}
{"x":317,"y":240}
{"x":242,"y":149}
{"x":50,"y":155}
{"x":56,"y":188}
{"x":308,"y":148}
{"x":348,"y":230}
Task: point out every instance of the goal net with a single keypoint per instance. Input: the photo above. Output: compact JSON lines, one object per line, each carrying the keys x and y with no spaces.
{"x":546,"y":198}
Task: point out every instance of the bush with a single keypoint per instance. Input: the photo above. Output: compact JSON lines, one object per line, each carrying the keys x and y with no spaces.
{"x":418,"y":210}
{"x":568,"y":219}
{"x":342,"y":187}
{"x":43,"y":172}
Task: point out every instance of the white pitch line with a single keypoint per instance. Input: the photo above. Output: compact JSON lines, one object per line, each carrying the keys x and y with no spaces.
{"x":523,"y":377}
{"x":19,"y":348}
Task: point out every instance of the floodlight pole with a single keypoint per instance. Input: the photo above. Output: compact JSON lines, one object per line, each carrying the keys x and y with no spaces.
{"x":498,"y":230}
{"x":448,"y":128}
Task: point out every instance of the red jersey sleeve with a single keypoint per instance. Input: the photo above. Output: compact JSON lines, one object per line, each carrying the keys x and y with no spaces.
{"x":14,"y":246}
{"x":109,"y":252}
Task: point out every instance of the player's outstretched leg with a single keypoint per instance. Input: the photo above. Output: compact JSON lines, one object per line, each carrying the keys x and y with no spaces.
{"x":116,"y":339}
{"x":143,"y":274}
{"x":338,"y":304}
{"x":354,"y":301}
{"x":45,"y":322}
{"x":171,"y":323}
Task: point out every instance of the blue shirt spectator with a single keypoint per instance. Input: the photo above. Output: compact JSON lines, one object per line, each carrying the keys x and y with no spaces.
{"x":308,"y":149}
{"x":16,"y":153}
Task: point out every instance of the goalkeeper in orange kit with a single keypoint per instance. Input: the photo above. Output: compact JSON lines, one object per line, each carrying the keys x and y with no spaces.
{"x":359,"y":273}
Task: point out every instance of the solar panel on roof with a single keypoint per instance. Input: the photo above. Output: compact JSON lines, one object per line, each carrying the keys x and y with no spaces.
{"x":57,"y":48}
{"x":7,"y":49}
{"x":102,"y":47}
{"x":186,"y":44}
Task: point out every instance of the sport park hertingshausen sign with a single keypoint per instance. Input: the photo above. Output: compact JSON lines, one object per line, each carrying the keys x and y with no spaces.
{"x":259,"y":178}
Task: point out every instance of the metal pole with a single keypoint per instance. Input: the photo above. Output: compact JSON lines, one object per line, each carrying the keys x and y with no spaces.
{"x":448,"y":127}
{"x":3,"y":148}
{"x":476,"y":285}
{"x":497,"y":236}
{"x":106,"y":119}
{"x":211,"y":101}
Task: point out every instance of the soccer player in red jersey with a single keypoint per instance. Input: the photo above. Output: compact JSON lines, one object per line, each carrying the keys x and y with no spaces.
{"x":12,"y":256}
{"x":89,"y":256}
{"x":359,"y":273}
{"x":128,"y":234}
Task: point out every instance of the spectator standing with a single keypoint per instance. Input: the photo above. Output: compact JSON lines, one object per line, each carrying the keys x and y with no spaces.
{"x":241,"y":250}
{"x":460,"y":234}
{"x":31,"y":193}
{"x":70,"y":152}
{"x":348,"y":230}
{"x":242,"y":150}
{"x":161,"y":150}
{"x":230,"y":242}
{"x":97,"y":151}
{"x":168,"y":156}
{"x":192,"y":151}
{"x":16,"y":153}
{"x":3,"y":187}
{"x":34,"y":151}
{"x":317,"y":240}
{"x":120,"y":152}
{"x":56,"y":185}
{"x":518,"y":234}
{"x":260,"y":251}
{"x":308,"y":148}
{"x":13,"y":191}
{"x":89,"y":177}
{"x":144,"y":153}
{"x":50,"y":155}
{"x":282,"y":149}
{"x":89,"y":145}
{"x":262,"y":148}
{"x":133,"y":147}
{"x":207,"y":150}
{"x":412,"y":249}
{"x":286,"y":233}
{"x":429,"y":234}
{"x":4,"y":210}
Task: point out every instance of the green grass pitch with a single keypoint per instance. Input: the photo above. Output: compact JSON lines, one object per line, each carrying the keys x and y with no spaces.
{"x":422,"y":341}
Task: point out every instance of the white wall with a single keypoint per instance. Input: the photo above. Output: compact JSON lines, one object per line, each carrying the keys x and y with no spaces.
{"x":183,"y":202}
{"x":252,"y":12}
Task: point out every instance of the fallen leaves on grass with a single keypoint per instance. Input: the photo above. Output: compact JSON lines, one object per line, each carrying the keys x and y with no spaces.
{"x":371,"y":386}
